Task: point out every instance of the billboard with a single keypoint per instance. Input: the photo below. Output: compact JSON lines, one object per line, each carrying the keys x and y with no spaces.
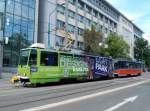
{"x":102,"y":66}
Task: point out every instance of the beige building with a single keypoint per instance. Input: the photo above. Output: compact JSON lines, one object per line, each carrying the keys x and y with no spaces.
{"x":77,"y":15}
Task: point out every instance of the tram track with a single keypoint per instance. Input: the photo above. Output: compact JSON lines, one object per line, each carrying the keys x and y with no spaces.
{"x":27,"y":99}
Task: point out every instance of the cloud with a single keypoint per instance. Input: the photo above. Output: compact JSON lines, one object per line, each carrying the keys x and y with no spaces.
{"x":147,"y":37}
{"x":137,"y":11}
{"x":145,"y":26}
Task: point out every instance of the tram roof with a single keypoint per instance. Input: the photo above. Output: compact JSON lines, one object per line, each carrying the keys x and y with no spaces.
{"x":62,"y":52}
{"x":125,"y":60}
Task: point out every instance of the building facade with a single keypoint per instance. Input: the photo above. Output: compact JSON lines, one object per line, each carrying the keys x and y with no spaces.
{"x":125,"y":29}
{"x":138,"y":33}
{"x":77,"y":15}
{"x":29,"y":21}
{"x":18,"y":25}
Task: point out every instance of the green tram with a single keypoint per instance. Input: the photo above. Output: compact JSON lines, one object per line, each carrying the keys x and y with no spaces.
{"x":43,"y":66}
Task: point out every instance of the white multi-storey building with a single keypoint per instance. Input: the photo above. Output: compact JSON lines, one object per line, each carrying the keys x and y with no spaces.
{"x":77,"y":15}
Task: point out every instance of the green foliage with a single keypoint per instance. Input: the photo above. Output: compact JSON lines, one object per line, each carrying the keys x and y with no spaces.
{"x":117,"y":47}
{"x":142,"y":51}
{"x":92,"y":38}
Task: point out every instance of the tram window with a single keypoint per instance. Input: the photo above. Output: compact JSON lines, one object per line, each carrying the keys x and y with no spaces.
{"x":121,"y":65}
{"x":131,"y":65}
{"x":138,"y":66}
{"x":33,"y":57}
{"x":116,"y":66}
{"x":49,"y":58}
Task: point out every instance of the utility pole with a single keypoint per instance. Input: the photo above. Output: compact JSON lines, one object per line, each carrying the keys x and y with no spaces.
{"x":1,"y":43}
{"x":2,"y":30}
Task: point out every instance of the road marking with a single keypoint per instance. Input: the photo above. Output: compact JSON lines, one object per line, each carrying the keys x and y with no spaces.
{"x":130,"y":99}
{"x":69,"y":101}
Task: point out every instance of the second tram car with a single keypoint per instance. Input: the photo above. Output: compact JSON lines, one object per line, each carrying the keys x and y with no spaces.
{"x":127,"y":68}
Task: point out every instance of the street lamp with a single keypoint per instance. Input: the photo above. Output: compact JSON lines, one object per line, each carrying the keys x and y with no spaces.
{"x":102,"y":44}
{"x":49,"y":23}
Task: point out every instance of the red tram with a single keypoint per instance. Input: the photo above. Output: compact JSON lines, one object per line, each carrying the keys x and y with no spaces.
{"x":127,"y":68}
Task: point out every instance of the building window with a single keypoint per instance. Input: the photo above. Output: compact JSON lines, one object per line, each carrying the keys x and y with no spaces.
{"x":59,"y":41}
{"x":31,"y":13}
{"x":10,"y":6}
{"x":101,"y":17}
{"x":31,"y":3}
{"x":80,"y":18}
{"x":73,"y":2}
{"x":25,"y":11}
{"x":94,"y":24}
{"x":71,"y":28}
{"x":88,"y":9}
{"x":71,"y":14}
{"x":95,"y":13}
{"x":80,"y":45}
{"x":17,"y":10}
{"x":80,"y":4}
{"x":88,"y":22}
{"x":60,"y":24}
{"x":17,"y":20}
{"x":61,"y":9}
{"x":2,"y":6}
{"x":80,"y":31}
{"x":106,"y":20}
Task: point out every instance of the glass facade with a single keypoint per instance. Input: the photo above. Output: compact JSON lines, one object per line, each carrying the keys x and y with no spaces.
{"x":19,"y":20}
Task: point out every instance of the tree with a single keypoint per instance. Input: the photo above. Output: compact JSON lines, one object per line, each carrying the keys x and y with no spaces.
{"x":142,"y":51}
{"x":12,"y":50}
{"x":92,"y":38}
{"x":117,"y":47}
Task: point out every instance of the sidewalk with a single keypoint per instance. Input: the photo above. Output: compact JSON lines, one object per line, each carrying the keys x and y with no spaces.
{"x":5,"y":81}
{"x":6,"y":76}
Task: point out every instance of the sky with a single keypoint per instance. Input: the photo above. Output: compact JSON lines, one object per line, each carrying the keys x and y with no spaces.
{"x":138,"y":11}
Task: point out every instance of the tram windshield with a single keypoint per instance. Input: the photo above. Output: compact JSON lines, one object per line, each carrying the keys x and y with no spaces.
{"x":28,"y":56}
{"x":24,"y":55}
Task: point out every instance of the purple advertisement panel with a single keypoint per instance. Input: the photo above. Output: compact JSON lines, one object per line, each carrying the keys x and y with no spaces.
{"x":102,"y":66}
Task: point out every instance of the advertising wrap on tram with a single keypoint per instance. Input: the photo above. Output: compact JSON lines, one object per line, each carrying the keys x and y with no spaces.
{"x":103,"y":66}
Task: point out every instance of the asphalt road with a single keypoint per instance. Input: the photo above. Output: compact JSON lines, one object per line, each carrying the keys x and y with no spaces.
{"x":121,"y":94}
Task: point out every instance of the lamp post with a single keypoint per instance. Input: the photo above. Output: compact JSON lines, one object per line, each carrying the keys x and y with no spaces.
{"x":2,"y":40}
{"x":49,"y":23}
{"x":1,"y":43}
